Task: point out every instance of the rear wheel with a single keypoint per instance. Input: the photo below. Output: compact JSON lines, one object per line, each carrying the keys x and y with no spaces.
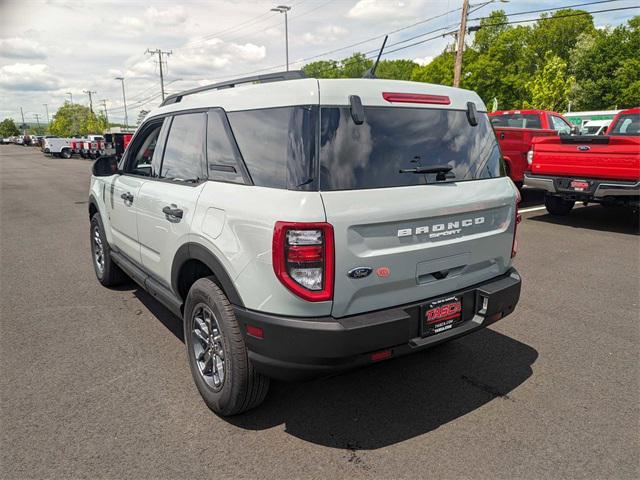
{"x":557,"y":205}
{"x":108,"y":273}
{"x":217,"y":352}
{"x":66,"y":153}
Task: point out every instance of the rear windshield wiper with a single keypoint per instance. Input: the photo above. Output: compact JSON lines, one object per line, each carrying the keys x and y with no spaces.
{"x":440,"y":170}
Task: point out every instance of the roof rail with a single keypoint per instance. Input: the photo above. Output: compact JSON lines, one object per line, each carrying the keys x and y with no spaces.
{"x":266,"y":78}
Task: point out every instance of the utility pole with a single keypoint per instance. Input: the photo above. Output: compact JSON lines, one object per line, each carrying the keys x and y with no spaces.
{"x":284,"y":9}
{"x":37,"y":119}
{"x":159,"y":52}
{"x":89,"y":92}
{"x":23,"y":124}
{"x":106,"y":115}
{"x":457,"y":71}
{"x":124,"y":99}
{"x":71,"y":95}
{"x":46,"y":107}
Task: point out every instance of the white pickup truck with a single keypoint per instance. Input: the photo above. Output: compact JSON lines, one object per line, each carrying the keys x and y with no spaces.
{"x":57,"y":147}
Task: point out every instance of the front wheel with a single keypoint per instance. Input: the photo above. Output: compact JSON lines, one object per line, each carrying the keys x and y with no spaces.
{"x":217,"y":352}
{"x":66,"y":153}
{"x":108,"y":273}
{"x":557,"y":205}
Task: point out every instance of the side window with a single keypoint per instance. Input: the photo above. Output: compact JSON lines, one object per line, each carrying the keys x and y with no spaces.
{"x":223,"y":157}
{"x":141,"y":156}
{"x":183,"y":158}
{"x":560,"y":125}
{"x":156,"y":160}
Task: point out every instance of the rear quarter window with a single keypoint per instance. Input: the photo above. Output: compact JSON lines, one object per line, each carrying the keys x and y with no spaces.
{"x":278,"y":145}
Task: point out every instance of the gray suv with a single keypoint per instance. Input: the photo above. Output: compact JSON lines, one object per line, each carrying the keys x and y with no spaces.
{"x":305,"y":226}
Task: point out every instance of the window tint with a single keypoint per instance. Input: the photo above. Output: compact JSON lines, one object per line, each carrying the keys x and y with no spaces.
{"x":183,"y":158}
{"x":223,"y":157}
{"x":517,"y":120}
{"x":144,"y":153}
{"x":371,"y":155}
{"x":560,"y":125}
{"x":278,"y":145}
{"x":628,"y":124}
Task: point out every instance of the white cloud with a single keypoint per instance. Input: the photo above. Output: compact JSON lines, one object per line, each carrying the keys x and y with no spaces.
{"x":213,"y":55}
{"x":167,"y":17}
{"x":422,"y":61}
{"x":17,"y":47}
{"x":324,"y":34}
{"x":386,"y":9}
{"x":28,"y":77}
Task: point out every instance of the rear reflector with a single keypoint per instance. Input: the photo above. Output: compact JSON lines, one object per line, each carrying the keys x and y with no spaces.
{"x":254,"y":331}
{"x":416,"y":98}
{"x":381,"y":355}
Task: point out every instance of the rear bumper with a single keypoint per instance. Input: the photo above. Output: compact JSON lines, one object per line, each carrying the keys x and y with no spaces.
{"x":598,"y":189}
{"x":298,"y":348}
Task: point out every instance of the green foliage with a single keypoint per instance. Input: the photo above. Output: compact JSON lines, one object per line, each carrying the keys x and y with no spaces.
{"x":8,"y":128}
{"x":396,"y":69}
{"x":549,"y":88}
{"x":38,"y":129}
{"x":440,"y":70}
{"x":76,"y":120}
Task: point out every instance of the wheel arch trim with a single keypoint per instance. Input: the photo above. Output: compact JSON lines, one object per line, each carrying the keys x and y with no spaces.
{"x":195,"y":251}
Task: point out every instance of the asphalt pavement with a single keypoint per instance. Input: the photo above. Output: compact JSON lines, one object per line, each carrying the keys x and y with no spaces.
{"x":94,"y":382}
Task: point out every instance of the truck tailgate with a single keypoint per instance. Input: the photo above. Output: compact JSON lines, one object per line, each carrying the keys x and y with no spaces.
{"x":612,"y":158}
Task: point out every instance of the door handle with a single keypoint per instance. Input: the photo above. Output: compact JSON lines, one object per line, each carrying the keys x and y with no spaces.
{"x":172,"y":211}
{"x":127,"y":197}
{"x":501,"y":135}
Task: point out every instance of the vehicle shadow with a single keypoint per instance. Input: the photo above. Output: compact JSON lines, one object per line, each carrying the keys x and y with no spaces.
{"x":392,"y":401}
{"x":531,"y":198}
{"x":596,"y":217}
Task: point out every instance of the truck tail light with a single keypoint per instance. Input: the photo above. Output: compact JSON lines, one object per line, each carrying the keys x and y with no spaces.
{"x":392,"y":97}
{"x":530,"y":157}
{"x":517,"y":220}
{"x":303,"y":256}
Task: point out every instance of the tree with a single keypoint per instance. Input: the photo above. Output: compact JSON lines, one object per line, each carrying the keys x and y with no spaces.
{"x":550,"y":87}
{"x":439,"y":70}
{"x":355,"y":66}
{"x":75,"y":120}
{"x":490,"y":30}
{"x":396,"y":69}
{"x":322,"y":69}
{"x":8,"y":128}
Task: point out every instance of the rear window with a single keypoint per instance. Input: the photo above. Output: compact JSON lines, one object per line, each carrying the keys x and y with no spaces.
{"x":278,"y":145}
{"x":370,"y":155}
{"x":628,"y":124}
{"x":517,"y":120}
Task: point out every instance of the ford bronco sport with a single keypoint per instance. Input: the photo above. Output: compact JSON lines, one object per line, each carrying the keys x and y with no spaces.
{"x":305,"y":226}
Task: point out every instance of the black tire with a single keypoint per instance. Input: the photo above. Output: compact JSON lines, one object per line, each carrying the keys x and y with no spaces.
{"x":110,"y":274}
{"x":241,"y":387}
{"x":557,"y":205}
{"x":65,"y":153}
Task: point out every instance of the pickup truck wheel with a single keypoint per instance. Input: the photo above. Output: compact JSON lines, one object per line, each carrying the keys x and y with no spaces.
{"x":65,"y":153}
{"x":108,"y":273}
{"x":557,"y":205}
{"x":217,"y":352}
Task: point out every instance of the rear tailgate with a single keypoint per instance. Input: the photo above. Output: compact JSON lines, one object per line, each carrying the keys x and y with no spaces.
{"x":428,"y":240}
{"x":614,"y":158}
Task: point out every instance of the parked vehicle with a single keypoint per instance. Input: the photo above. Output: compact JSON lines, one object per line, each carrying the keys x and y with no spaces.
{"x":57,"y":147}
{"x":594,"y":127}
{"x":116,"y":143}
{"x":92,"y":146}
{"x":307,"y":226}
{"x":590,"y":169}
{"x":76,"y":145}
{"x":516,"y":128}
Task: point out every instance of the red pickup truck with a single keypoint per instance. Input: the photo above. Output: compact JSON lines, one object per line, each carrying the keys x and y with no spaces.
{"x":516,"y":128}
{"x":601,"y":169}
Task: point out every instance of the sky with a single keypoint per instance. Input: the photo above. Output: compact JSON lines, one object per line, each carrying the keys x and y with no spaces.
{"x":50,"y":48}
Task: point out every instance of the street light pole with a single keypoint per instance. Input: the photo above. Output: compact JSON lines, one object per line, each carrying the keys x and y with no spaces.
{"x":46,"y":107}
{"x":124,"y":99}
{"x":71,"y":95}
{"x":284,"y":9}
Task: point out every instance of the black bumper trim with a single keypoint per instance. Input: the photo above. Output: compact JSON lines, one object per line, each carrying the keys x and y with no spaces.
{"x":298,"y":348}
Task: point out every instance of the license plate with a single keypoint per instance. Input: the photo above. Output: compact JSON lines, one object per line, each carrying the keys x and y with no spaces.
{"x":579,"y":185}
{"x":441,"y":315}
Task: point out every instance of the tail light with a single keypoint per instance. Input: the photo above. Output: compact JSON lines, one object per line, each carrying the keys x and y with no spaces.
{"x":517,"y":220}
{"x":392,"y":97}
{"x":303,"y":259}
{"x":530,"y":157}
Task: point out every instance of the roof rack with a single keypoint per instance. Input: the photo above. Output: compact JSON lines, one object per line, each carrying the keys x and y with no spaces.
{"x":266,"y":78}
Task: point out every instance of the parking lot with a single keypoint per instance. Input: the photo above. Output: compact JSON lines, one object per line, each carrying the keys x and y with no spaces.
{"x":95,"y":382}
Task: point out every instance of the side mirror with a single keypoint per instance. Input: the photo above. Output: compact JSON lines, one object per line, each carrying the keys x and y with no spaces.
{"x":105,"y":166}
{"x":575,"y":130}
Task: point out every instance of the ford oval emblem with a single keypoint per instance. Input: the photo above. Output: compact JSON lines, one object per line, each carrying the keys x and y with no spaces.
{"x":359,"y":272}
{"x":584,"y":148}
